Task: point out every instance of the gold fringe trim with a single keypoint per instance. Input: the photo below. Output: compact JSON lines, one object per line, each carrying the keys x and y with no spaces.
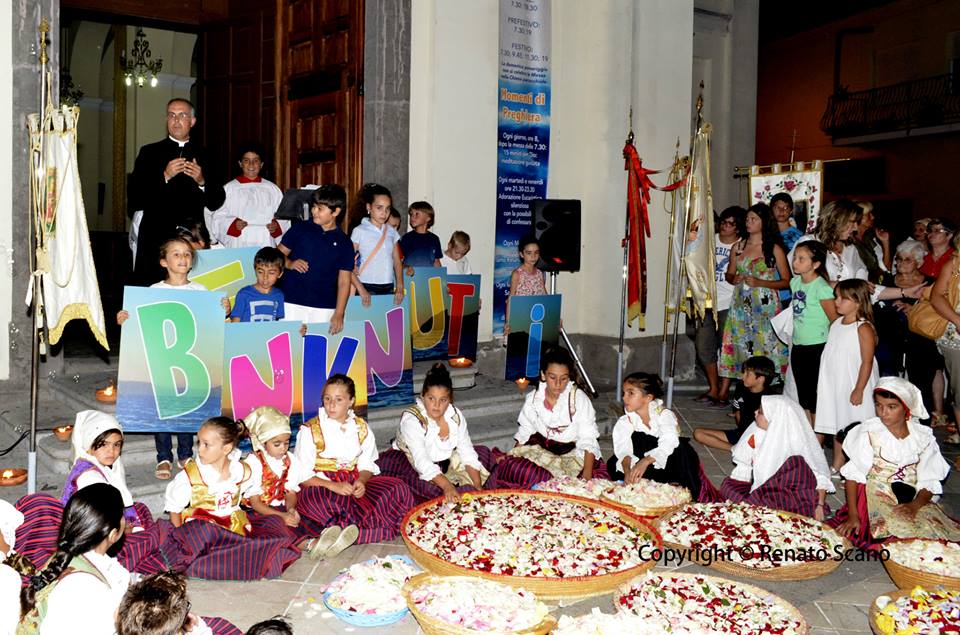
{"x":77,"y":311}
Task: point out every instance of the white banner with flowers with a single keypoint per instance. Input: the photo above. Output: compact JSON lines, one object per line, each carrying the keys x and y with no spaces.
{"x":804,"y":187}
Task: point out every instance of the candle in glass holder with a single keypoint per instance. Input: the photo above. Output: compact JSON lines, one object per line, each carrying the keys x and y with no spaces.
{"x":522,"y":384}
{"x":460,"y":362}
{"x":63,"y":432}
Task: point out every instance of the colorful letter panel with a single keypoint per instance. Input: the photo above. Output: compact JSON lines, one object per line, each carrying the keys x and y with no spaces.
{"x":386,"y":329}
{"x":534,"y":327}
{"x":171,"y":359}
{"x":225,"y":270}
{"x":463,"y":307}
{"x":427,"y":290}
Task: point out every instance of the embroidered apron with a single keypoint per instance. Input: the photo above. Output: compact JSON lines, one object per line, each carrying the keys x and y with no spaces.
{"x":203,"y":504}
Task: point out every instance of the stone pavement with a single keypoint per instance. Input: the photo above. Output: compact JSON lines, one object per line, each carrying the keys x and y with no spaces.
{"x":836,"y":604}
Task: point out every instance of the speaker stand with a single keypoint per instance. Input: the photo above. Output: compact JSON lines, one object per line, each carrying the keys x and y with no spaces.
{"x":566,"y":340}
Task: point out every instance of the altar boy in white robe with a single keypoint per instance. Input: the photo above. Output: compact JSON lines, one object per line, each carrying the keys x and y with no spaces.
{"x":246,"y":217}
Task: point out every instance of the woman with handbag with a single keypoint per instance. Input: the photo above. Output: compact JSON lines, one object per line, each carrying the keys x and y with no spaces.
{"x":945,"y":300}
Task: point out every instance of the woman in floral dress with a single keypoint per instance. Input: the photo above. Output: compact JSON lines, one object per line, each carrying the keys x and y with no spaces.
{"x":758,"y":268}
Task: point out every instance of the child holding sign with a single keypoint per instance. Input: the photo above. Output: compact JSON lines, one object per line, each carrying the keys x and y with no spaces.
{"x":376,"y":242}
{"x":176,"y":257}
{"x":346,"y":500}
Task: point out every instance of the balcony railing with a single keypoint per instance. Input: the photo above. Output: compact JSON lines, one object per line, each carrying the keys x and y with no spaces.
{"x":921,"y":103}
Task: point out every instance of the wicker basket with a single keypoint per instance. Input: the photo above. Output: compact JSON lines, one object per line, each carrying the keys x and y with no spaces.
{"x":643,"y":512}
{"x":875,"y":612}
{"x":798,"y":571}
{"x":434,"y":626}
{"x":804,"y":627}
{"x":906,"y":578}
{"x":543,"y":587}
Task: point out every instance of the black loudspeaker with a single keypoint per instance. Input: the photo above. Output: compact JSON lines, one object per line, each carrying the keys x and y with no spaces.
{"x":556,"y":225}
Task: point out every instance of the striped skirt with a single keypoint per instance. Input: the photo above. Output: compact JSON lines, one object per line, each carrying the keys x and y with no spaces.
{"x":220,"y":626}
{"x":395,"y":463}
{"x":793,"y":488}
{"x":37,"y":536}
{"x":517,"y":473}
{"x":377,"y":514}
{"x":205,"y":550}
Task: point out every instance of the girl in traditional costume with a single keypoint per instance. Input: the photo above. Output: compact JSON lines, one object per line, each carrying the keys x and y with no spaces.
{"x":779,"y":462}
{"x":212,"y":537}
{"x":649,"y":430}
{"x":433,"y":453}
{"x":894,"y":472}
{"x":273,"y":466}
{"x":558,"y":431}
{"x":345,"y":499}
{"x":97,"y":444}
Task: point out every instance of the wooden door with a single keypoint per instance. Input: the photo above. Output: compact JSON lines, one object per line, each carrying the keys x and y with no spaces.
{"x":237,"y":92}
{"x":322,"y":91}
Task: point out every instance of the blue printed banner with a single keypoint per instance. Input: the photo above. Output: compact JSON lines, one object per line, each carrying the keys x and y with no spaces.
{"x":523,"y":134}
{"x":534,"y":327}
{"x":463,"y":309}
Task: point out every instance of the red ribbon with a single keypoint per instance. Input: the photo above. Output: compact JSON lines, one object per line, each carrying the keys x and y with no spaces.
{"x":638,"y":197}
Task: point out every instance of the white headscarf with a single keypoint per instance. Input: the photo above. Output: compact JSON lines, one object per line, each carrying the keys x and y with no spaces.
{"x":265,"y":423}
{"x":89,"y":425}
{"x":908,"y":394}
{"x":10,"y":519}
{"x":789,"y":434}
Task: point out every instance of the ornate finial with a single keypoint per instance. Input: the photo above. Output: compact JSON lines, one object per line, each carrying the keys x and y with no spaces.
{"x":44,"y":29}
{"x":630,"y":127}
{"x":700,"y":98}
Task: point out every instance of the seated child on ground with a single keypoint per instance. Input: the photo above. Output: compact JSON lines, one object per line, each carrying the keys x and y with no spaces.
{"x":433,"y":453}
{"x":558,"y":430}
{"x":895,"y":472}
{"x":212,"y":537}
{"x":779,"y":462}
{"x":647,"y":443}
{"x":758,"y":374}
{"x":273,"y":466}
{"x":344,"y":498}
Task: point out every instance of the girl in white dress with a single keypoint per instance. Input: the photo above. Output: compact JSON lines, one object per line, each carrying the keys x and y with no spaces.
{"x":558,"y":431}
{"x":848,"y":372}
{"x":895,"y":473}
{"x":433,"y":453}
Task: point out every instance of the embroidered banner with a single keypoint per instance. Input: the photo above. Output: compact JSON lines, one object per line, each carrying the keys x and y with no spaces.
{"x":804,"y":187}
{"x":523,"y":134}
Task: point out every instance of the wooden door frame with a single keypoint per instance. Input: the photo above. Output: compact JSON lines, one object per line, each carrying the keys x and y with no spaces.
{"x":284,"y":131}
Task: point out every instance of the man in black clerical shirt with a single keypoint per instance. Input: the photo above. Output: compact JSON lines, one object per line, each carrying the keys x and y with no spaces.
{"x":170,"y":185}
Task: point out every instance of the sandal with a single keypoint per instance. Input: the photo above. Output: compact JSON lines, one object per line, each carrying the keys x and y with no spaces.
{"x":704,"y":398}
{"x":164,"y":470}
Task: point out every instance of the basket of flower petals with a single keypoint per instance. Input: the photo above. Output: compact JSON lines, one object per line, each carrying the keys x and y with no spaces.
{"x":685,"y":602}
{"x":754,"y":541}
{"x":917,"y":612}
{"x":575,"y":486}
{"x":370,"y":593}
{"x":459,"y":605}
{"x":554,"y":545}
{"x":923,"y":562}
{"x":647,"y":498}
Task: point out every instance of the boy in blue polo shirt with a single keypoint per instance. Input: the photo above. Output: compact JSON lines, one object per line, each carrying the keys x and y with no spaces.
{"x":261,"y":301}
{"x":420,"y":247}
{"x":319,"y":263}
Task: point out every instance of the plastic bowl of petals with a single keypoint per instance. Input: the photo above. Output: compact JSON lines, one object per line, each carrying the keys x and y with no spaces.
{"x":368,"y":619}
